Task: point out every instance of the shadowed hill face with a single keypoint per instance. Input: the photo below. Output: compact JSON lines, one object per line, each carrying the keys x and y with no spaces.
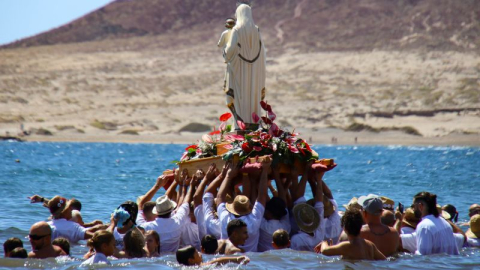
{"x":304,"y":24}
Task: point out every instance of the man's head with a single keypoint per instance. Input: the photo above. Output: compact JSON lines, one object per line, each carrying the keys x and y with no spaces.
{"x":474,"y":210}
{"x":188,"y":256}
{"x":352,"y":222}
{"x":11,"y":244}
{"x":76,"y":205}
{"x":63,"y":243}
{"x":280,"y":239}
{"x":452,"y":211}
{"x":275,"y":208}
{"x":372,"y":206}
{"x":19,"y":253}
{"x":40,"y":235}
{"x":474,"y":230}
{"x":164,"y":207}
{"x":209,"y":244}
{"x":306,"y":217}
{"x":237,"y":232}
{"x":425,"y":203}
{"x":147,"y":211}
{"x":388,"y":218}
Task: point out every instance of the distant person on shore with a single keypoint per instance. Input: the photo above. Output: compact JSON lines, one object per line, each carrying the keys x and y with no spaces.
{"x":189,"y":256}
{"x":104,"y":244}
{"x":237,"y":236}
{"x":433,"y":234}
{"x":40,"y":236}
{"x":280,"y":239}
{"x":11,"y":244}
{"x":385,"y":238}
{"x":356,"y":248}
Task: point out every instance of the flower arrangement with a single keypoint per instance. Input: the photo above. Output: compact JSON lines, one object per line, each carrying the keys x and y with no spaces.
{"x":284,"y":146}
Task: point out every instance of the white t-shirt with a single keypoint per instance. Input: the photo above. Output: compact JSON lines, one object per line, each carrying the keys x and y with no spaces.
{"x":198,"y":212}
{"x":68,"y":229}
{"x":212,"y":223}
{"x":118,"y":238}
{"x":435,"y":235}
{"x":306,"y":242}
{"x":253,"y":221}
{"x":407,"y":230}
{"x":409,"y":241}
{"x":333,"y":224}
{"x":267,"y":228}
{"x":169,"y":229}
{"x":99,"y":258}
{"x":190,"y":235}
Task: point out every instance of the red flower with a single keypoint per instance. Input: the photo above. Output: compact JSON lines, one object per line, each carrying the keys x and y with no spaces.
{"x":215,"y":132}
{"x":193,"y":146}
{"x":224,"y":117}
{"x":266,"y":120}
{"x":246,"y":147}
{"x":265,"y":106}
{"x":257,"y":148}
{"x":292,"y":148}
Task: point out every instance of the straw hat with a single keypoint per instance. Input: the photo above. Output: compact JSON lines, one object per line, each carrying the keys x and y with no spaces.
{"x":409,"y":219}
{"x":388,"y":203}
{"x":57,"y":205}
{"x":306,"y":217}
{"x":163,"y":205}
{"x":444,"y":214}
{"x":240,"y":206}
{"x":353,"y":204}
{"x":474,"y":231}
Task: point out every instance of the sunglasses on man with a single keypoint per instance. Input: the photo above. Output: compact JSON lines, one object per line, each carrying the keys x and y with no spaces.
{"x":36,"y":237}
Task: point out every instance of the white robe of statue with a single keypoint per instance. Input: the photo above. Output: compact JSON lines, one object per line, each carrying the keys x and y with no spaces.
{"x":245,"y":57}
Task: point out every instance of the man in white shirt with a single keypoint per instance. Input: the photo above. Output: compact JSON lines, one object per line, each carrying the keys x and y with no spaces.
{"x":310,"y":220}
{"x":433,"y":234}
{"x":241,"y":207}
{"x":168,"y":226}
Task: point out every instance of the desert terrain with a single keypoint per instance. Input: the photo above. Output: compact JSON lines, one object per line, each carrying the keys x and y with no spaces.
{"x":168,"y":89}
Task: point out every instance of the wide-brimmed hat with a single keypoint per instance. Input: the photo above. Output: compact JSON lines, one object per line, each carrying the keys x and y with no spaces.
{"x":240,"y":206}
{"x":57,"y":205}
{"x":444,"y":214}
{"x":306,"y":217}
{"x":474,"y":231}
{"x":163,"y":205}
{"x":372,"y":204}
{"x":409,"y":219}
{"x":352,"y":204}
{"x":388,"y":203}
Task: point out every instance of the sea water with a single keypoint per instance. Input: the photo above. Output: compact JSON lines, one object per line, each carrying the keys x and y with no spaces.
{"x":103,"y":175}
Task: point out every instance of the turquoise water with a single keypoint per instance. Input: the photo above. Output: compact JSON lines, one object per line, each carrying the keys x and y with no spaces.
{"x":102,"y":176}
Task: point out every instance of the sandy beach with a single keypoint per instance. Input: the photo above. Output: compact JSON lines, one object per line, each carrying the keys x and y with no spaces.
{"x":144,"y":90}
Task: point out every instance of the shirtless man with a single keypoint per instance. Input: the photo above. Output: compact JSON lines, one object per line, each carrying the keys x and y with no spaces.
{"x":237,"y":235}
{"x":356,"y":248}
{"x":41,"y":240}
{"x":385,"y":238}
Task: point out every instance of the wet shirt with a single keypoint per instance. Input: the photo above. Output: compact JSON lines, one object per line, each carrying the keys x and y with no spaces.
{"x":267,"y":228}
{"x":67,"y":229}
{"x":435,"y":235}
{"x":306,"y":242}
{"x":98,"y":258}
{"x":212,"y":223}
{"x":333,"y":226}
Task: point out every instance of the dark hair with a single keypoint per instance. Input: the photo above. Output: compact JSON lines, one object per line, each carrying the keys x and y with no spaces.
{"x":134,"y":241}
{"x":132,"y":209}
{"x":280,"y":238}
{"x":235,"y":224}
{"x":62,"y":243}
{"x":19,"y":252}
{"x":76,"y":204}
{"x":148,"y":207}
{"x":209,"y":244}
{"x":11,"y":244}
{"x":388,"y":218}
{"x":99,"y":238}
{"x":352,"y":222}
{"x":430,"y":201}
{"x":452,"y":210}
{"x":183,"y":254}
{"x":156,"y":236}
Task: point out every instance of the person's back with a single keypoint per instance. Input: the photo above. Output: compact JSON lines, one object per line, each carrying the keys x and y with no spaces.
{"x":435,"y":235}
{"x":385,"y":238}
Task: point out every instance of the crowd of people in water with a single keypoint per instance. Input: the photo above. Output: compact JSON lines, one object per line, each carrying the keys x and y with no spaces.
{"x":253,"y":208}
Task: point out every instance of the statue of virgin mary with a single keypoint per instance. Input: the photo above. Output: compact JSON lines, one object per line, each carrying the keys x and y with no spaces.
{"x":245,"y":57}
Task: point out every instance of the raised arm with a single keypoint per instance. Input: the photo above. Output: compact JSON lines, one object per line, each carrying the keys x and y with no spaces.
{"x":213,"y":186}
{"x":319,"y":188}
{"x":263,"y":185}
{"x":226,"y":184}
{"x":197,"y":197}
{"x":161,"y":180}
{"x":303,"y":182}
{"x":278,"y":182}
